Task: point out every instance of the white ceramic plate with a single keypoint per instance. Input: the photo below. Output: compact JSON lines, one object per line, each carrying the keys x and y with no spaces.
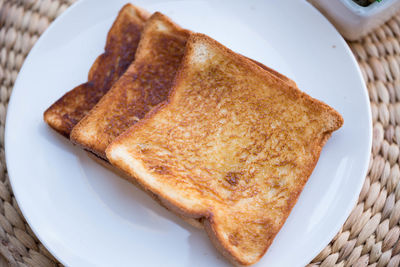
{"x":86,"y":215}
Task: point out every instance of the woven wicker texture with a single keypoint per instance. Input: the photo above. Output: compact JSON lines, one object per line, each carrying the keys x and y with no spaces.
{"x":370,"y":236}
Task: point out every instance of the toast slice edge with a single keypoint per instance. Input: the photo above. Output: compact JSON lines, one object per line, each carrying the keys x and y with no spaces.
{"x":63,"y":114}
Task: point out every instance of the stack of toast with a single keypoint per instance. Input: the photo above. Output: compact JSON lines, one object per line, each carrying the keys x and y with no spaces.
{"x":219,"y":139}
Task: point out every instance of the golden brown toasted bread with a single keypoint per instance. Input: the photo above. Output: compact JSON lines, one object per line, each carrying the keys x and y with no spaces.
{"x":233,"y":144}
{"x":145,"y":84}
{"x":274,"y":72}
{"x":122,"y":41}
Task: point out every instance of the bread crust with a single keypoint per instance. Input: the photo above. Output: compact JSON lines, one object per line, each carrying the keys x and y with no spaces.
{"x":279,"y":75}
{"x":330,"y":119}
{"x":119,"y":52}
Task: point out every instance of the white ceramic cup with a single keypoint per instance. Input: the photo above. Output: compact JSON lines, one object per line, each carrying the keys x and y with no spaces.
{"x":352,"y":20}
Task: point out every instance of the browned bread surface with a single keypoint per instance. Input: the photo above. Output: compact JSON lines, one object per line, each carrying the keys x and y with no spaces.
{"x":233,"y":145}
{"x":274,"y":72}
{"x":145,"y":84}
{"x":121,"y":44}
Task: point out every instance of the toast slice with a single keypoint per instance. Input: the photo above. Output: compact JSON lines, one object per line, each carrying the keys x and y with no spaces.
{"x":145,"y":84}
{"x":233,"y":144}
{"x":121,"y":44}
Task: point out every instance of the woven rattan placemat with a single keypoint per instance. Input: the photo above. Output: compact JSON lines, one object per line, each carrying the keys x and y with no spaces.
{"x":370,"y":236}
